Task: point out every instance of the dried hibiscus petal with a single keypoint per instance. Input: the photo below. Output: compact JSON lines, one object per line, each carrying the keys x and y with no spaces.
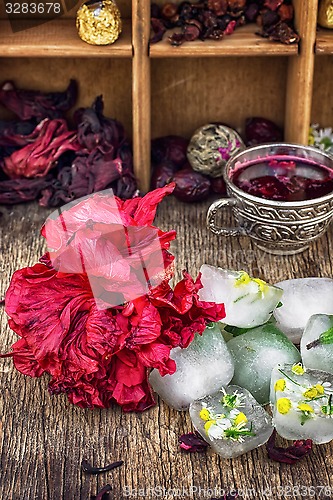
{"x":22,"y":190}
{"x":27,"y":104}
{"x":289,"y":455}
{"x":95,"y":130}
{"x":14,"y":133}
{"x":192,"y":442}
{"x":49,"y":140}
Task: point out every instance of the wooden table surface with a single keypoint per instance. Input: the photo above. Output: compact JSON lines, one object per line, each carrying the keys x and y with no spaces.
{"x":44,"y":439}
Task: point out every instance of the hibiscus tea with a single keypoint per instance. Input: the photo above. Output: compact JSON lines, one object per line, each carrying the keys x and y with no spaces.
{"x":283,"y":178}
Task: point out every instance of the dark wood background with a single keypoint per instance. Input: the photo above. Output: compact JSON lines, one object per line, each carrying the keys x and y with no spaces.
{"x":43,"y":439}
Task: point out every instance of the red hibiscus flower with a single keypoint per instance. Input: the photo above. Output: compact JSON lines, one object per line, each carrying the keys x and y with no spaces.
{"x":99,"y":355}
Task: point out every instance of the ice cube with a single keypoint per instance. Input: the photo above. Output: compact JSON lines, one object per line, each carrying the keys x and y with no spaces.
{"x":302,"y":403}
{"x":231,"y":421}
{"x":303,"y":297}
{"x":255,"y":354}
{"x":317,"y":343}
{"x":249,"y":302}
{"x":203,"y":367}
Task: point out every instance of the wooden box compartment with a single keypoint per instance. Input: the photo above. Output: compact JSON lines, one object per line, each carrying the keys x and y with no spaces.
{"x":159,"y":89}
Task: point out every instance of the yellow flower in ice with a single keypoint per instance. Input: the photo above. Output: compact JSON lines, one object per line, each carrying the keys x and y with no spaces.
{"x":240,"y":419}
{"x":298,"y":369}
{"x":204,"y":414}
{"x":314,"y":392}
{"x":243,"y":279}
{"x":283,"y":405}
{"x":208,"y":424}
{"x":305,"y":407}
{"x":262,"y":285}
{"x":280,"y":385}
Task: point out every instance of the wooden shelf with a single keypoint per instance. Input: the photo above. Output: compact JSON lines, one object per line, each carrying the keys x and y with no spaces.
{"x":243,"y":42}
{"x":324,"y":41}
{"x":59,"y":38}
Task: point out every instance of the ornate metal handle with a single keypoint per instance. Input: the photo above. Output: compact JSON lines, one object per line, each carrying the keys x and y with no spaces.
{"x":211,"y":218}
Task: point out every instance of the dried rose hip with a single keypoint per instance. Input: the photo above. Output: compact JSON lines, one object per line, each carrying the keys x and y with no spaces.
{"x":162,"y":174}
{"x":169,"y":10}
{"x":273,"y":4}
{"x":170,"y":147}
{"x":218,"y":6}
{"x":260,"y":130}
{"x":190,"y":185}
{"x":286,"y":12}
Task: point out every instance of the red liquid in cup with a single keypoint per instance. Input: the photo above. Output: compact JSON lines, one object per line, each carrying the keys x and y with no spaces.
{"x":283,"y":178}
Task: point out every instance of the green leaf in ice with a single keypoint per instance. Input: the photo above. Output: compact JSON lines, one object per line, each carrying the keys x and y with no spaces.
{"x":324,"y":339}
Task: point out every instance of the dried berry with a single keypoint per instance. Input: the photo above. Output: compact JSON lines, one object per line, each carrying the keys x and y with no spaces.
{"x":286,"y":12}
{"x":269,"y":18}
{"x":191,"y":186}
{"x":169,"y":10}
{"x":273,"y":4}
{"x":192,"y":30}
{"x":259,"y":130}
{"x":251,"y":12}
{"x":219,"y":7}
{"x":170,"y":147}
{"x":155,"y":10}
{"x":236,"y":5}
{"x":163,"y":174}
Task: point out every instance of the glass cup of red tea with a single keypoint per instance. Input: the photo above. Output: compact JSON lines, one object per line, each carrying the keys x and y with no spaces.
{"x":281,"y":196}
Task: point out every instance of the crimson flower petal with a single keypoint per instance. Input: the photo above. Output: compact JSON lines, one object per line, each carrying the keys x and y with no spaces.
{"x":192,"y":442}
{"x":291,"y":454}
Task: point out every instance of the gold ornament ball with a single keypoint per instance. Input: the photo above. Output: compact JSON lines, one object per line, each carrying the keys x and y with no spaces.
{"x":325,"y":14}
{"x":99,"y":22}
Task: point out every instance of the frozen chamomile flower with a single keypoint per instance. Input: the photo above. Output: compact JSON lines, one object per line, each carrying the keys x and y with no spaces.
{"x":321,"y":138}
{"x":234,"y":400}
{"x":245,"y":279}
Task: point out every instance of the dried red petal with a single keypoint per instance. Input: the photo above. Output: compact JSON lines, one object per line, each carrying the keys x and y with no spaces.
{"x":49,"y":140}
{"x":291,"y":454}
{"x":192,"y":442}
{"x":27,"y":104}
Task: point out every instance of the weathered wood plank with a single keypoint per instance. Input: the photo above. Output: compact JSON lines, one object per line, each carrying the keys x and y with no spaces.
{"x":43,"y":440}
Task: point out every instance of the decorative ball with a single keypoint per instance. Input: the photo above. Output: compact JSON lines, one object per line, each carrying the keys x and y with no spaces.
{"x":99,"y":22}
{"x":210,"y":148}
{"x":325,"y":14}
